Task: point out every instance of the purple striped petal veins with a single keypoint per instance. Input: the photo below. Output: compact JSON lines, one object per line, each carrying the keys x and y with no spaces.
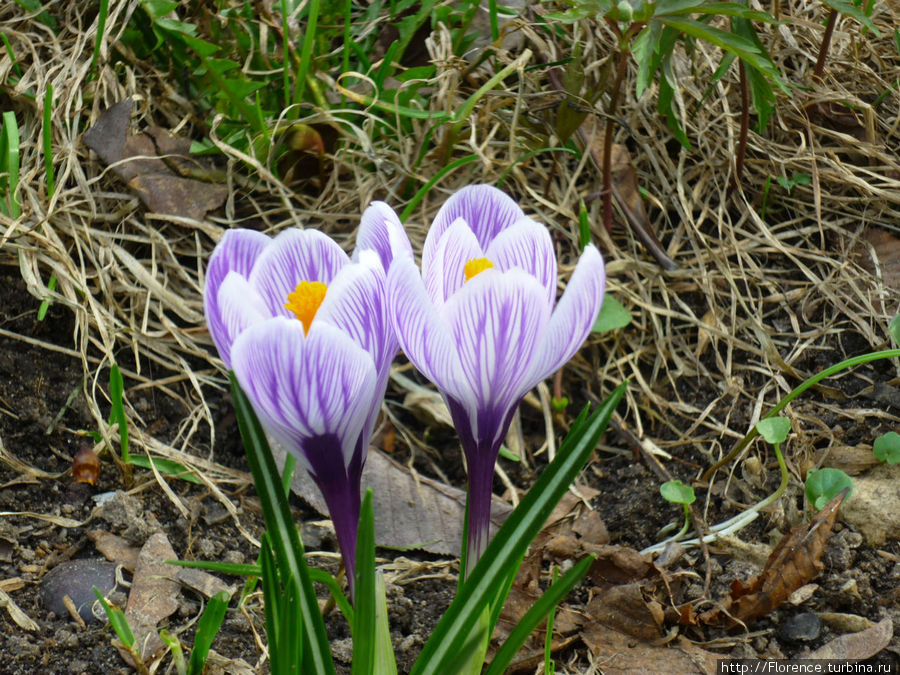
{"x":482,"y":322}
{"x":307,"y":333}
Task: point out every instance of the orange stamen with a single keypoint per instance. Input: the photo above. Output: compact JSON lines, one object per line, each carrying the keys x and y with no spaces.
{"x":305,"y":301}
{"x":476,"y":266}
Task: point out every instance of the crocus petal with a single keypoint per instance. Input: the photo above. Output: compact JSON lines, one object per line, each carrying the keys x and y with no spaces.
{"x":574,"y":315}
{"x":423,"y":335}
{"x":486,"y":209}
{"x":239,"y":307}
{"x":496,"y":321}
{"x":237,"y":252}
{"x":527,"y":245}
{"x":295,"y":256}
{"x":355,"y":303}
{"x":380,"y":230}
{"x":305,"y":386}
{"x":446,"y":273}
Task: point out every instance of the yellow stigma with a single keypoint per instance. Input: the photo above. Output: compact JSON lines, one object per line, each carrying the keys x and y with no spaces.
{"x":476,"y":266}
{"x":305,"y":301}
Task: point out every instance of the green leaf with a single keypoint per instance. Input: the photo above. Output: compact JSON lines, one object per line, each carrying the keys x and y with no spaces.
{"x":286,"y":544}
{"x":536,"y":614}
{"x":364,"y":592}
{"x":9,"y":164}
{"x":117,"y":620}
{"x":741,"y":47}
{"x":612,"y":316}
{"x":584,"y":225}
{"x":677,"y":492}
{"x":887,"y":448}
{"x":505,"y":552}
{"x":761,"y":93}
{"x":207,"y":628}
{"x":851,"y":10}
{"x":823,"y":485}
{"x":509,"y":455}
{"x":117,"y":414}
{"x":774,"y":429}
{"x":894,"y":329}
{"x":165,"y":466}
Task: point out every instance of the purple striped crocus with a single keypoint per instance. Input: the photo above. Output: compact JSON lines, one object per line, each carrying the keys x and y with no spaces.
{"x":306,"y":331}
{"x":482,"y":323}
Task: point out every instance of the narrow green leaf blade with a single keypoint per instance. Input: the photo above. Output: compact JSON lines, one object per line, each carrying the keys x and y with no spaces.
{"x":207,"y":628}
{"x":364,"y":592}
{"x":511,"y":542}
{"x":286,"y":544}
{"x":536,"y":614}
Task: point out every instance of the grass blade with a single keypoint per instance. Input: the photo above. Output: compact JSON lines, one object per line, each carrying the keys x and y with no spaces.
{"x":364,"y":592}
{"x":536,"y":614}
{"x":286,"y":544}
{"x":511,"y":542}
{"x":207,"y":629}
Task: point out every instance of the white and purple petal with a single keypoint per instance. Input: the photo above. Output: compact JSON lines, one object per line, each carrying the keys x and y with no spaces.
{"x":574,"y":315}
{"x":239,"y":307}
{"x":380,"y":230}
{"x":496,"y":320}
{"x":527,"y":245}
{"x":446,"y":273}
{"x":305,"y":387}
{"x":236,"y":252}
{"x":423,"y":335}
{"x":487,"y":210}
{"x":294,"y":256}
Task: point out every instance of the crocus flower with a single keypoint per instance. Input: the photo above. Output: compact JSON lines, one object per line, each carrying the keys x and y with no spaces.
{"x":482,"y":323}
{"x":306,"y":331}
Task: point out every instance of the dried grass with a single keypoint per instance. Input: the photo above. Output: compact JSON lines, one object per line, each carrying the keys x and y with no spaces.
{"x":714,"y":344}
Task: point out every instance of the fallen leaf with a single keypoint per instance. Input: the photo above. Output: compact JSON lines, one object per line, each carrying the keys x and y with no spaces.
{"x":153,"y":597}
{"x":148,"y":171}
{"x":794,"y":562}
{"x":850,"y":459}
{"x":881,"y":258}
{"x":411,"y":511}
{"x":115,"y":549}
{"x":625,"y":609}
{"x":858,"y":646}
{"x":619,"y":654}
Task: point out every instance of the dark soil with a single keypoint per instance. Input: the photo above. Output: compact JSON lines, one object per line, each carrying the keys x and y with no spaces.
{"x":35,"y":384}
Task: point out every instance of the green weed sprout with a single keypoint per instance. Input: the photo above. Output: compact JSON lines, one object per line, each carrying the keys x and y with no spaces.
{"x":207,"y":627}
{"x":887,"y":448}
{"x":117,"y":417}
{"x":678,"y":493}
{"x":649,"y":31}
{"x":823,"y":485}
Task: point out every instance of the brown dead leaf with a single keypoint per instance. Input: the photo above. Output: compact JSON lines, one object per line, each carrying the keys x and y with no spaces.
{"x":115,"y":548}
{"x":881,"y":258}
{"x":411,"y":511}
{"x":149,"y":170}
{"x":858,"y":646}
{"x":153,"y":597}
{"x":625,"y":609}
{"x":794,"y":562}
{"x":851,"y":459}
{"x":625,"y":188}
{"x":619,"y":654}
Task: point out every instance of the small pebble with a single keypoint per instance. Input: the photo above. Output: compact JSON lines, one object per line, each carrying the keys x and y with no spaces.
{"x":76,"y":578}
{"x":803,"y":627}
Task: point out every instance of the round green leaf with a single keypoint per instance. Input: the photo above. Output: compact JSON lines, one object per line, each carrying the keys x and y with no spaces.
{"x":677,"y":492}
{"x":823,"y":485}
{"x":612,"y":316}
{"x":887,"y":447}
{"x":774,"y":429}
